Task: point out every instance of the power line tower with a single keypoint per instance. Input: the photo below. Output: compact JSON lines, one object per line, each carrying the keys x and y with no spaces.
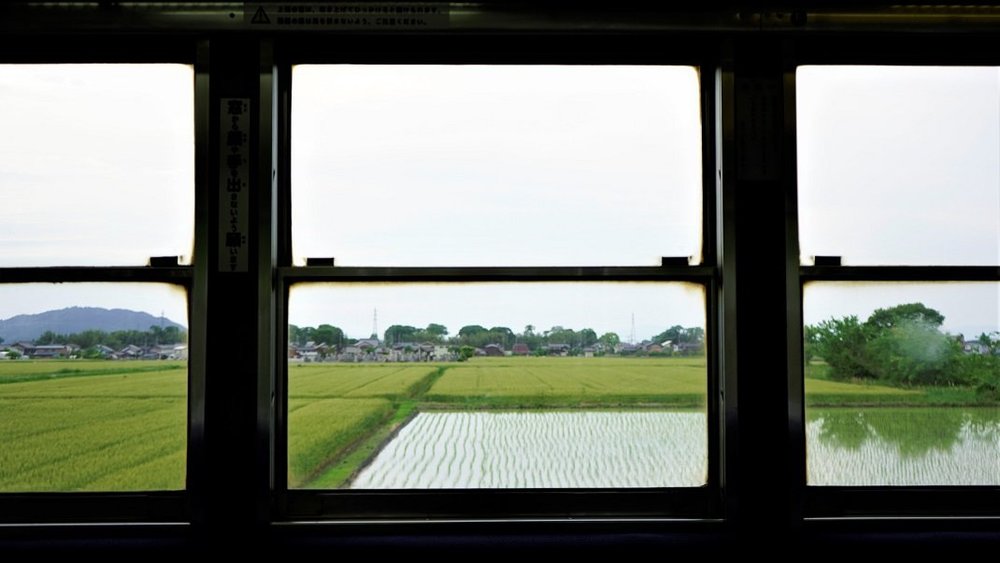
{"x":631,"y":335}
{"x":375,"y":323}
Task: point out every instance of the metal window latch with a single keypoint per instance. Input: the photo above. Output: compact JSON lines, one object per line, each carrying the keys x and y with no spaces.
{"x":826,"y":260}
{"x":164,"y":261}
{"x":319,"y":261}
{"x":675,"y":261}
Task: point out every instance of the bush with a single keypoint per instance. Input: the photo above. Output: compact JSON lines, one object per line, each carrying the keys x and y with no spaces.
{"x":843,"y":343}
{"x":901,"y":345}
{"x":982,"y":371}
{"x":914,"y":353}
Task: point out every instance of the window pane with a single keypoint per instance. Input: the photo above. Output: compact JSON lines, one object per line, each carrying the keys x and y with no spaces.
{"x":902,"y":383}
{"x":96,"y":164}
{"x":492,"y":385}
{"x":495,"y":165}
{"x":93,"y":387}
{"x":899,"y":165}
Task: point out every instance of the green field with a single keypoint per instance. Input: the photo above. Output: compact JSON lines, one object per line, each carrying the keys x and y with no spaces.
{"x":572,"y":382}
{"x":92,"y":426}
{"x":323,"y":426}
{"x":79,"y":425}
{"x":356,"y":380}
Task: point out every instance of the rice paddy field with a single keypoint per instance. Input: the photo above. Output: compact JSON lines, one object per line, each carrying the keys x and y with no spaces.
{"x":903,"y":446}
{"x":92,"y":426}
{"x":537,"y":382}
{"x":543,"y":450}
{"x":77,"y":425}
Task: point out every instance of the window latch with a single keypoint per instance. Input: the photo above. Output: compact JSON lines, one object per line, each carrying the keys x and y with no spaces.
{"x":164,"y":261}
{"x":826,"y":260}
{"x":675,"y":261}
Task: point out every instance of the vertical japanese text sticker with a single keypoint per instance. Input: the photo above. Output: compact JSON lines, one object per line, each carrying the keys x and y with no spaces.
{"x":234,"y":175}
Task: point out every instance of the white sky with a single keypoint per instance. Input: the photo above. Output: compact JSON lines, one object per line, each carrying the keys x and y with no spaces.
{"x":495,"y":165}
{"x":569,"y":166}
{"x":96,"y":164}
{"x":899,"y":165}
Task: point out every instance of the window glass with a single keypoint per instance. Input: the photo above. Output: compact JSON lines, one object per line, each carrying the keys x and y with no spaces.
{"x":902,"y":383}
{"x":899,"y":165}
{"x":93,"y":387}
{"x":497,"y":385}
{"x":96,"y":164}
{"x":495,"y":165}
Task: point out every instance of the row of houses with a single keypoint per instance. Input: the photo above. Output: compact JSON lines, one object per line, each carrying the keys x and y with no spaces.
{"x":977,"y":347}
{"x":33,"y":351}
{"x":371,"y":350}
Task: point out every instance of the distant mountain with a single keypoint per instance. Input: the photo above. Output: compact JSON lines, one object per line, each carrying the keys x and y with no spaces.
{"x":77,"y":319}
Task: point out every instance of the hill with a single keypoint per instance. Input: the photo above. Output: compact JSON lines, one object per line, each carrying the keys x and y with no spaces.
{"x":77,"y":319}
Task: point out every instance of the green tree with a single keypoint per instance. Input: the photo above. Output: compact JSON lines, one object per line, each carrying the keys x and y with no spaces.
{"x":843,"y":343}
{"x":810,"y":342}
{"x":913,"y":352}
{"x":989,"y":341}
{"x":471,"y":330}
{"x":48,"y":337}
{"x":587,"y":337}
{"x":172,"y":335}
{"x":900,"y":345}
{"x":13,"y":354}
{"x":435,"y":329}
{"x":466,"y":352}
{"x":560,"y":335}
{"x":474,"y":335}
{"x":909,"y":313}
{"x":610,"y":340}
{"x":530,"y":338}
{"x":504,"y":336}
{"x":981,"y":371}
{"x":400,"y":333}
{"x":329,"y":335}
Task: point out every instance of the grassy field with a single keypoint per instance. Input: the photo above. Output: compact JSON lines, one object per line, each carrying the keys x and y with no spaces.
{"x":572,"y":382}
{"x":99,"y":425}
{"x":820,"y":391}
{"x":119,"y":428}
{"x":327,"y":426}
{"x":35,"y":370}
{"x":356,"y":380}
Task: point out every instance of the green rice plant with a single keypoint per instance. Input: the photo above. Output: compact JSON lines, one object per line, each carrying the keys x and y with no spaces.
{"x":320,"y":430}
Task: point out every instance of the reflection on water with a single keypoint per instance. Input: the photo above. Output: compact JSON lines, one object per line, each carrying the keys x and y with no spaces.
{"x":903,"y":446}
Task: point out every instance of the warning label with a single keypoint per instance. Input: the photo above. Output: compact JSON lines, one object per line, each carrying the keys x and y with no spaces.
{"x":260,"y":16}
{"x":347,"y":15}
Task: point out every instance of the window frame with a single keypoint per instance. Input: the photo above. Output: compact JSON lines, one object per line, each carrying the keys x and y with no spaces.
{"x":825,"y":503}
{"x":737,"y":45}
{"x":705,"y":503}
{"x":153,"y":506}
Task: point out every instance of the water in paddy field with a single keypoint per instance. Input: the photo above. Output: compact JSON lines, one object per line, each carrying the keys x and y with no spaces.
{"x":542,"y":450}
{"x":903,"y":446}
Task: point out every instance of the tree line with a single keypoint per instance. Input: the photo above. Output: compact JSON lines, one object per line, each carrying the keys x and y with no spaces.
{"x":903,"y":346}
{"x":478,"y":336}
{"x":116,"y":340}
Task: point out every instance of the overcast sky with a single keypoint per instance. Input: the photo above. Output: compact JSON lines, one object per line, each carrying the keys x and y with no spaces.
{"x":565,"y":166}
{"x":96,"y":164}
{"x":899,"y":165}
{"x":495,"y":165}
